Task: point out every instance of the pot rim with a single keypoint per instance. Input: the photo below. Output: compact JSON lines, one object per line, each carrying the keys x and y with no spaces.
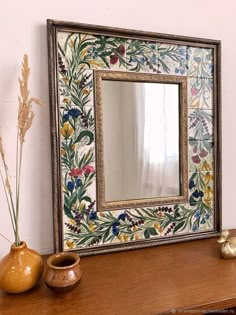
{"x":21,"y":246}
{"x":63,"y":254}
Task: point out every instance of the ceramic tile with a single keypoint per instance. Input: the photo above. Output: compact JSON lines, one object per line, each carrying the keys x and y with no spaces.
{"x":200,"y":62}
{"x":172,"y":59}
{"x":142,"y":56}
{"x":76,"y":90}
{"x":201,"y":155}
{"x":84,"y":51}
{"x":200,"y":124}
{"x":201,"y":200}
{"x":200,"y":94}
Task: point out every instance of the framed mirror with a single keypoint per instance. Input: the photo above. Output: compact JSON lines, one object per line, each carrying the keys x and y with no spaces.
{"x":141,"y":139}
{"x":136,"y":138}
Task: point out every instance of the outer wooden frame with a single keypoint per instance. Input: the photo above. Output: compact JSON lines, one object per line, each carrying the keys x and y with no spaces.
{"x":53,"y":26}
{"x":183,"y":138}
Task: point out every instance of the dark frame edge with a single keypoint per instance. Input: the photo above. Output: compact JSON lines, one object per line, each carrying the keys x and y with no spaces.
{"x":109,"y":30}
{"x":114,"y":248}
{"x":57,"y":215}
{"x":218,"y":133}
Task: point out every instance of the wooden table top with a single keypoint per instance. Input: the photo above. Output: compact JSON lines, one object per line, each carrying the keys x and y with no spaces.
{"x":164,"y":279}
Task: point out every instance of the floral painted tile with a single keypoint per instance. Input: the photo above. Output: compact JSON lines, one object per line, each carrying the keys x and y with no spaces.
{"x":75,"y":91}
{"x":201,"y":200}
{"x":200,"y":94}
{"x":201,"y":155}
{"x":85,"y":51}
{"x":200,"y":124}
{"x":90,"y":227}
{"x":141,"y":56}
{"x":172,"y":59}
{"x":200,"y":62}
{"x":77,"y":149}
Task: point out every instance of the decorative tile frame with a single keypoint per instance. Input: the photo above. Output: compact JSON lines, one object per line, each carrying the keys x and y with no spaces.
{"x":75,"y":50}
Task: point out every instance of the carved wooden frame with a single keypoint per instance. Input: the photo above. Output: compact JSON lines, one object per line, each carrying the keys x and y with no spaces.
{"x":183,"y":139}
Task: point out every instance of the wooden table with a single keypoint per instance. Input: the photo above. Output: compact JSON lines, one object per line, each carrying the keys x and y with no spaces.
{"x":179,"y":278}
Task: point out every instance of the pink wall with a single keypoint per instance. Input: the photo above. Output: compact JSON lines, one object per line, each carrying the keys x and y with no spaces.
{"x":23,"y":29}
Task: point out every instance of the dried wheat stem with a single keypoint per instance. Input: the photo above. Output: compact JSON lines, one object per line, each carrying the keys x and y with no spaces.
{"x":11,"y":211}
{"x":7,"y":185}
{"x":6,"y":238}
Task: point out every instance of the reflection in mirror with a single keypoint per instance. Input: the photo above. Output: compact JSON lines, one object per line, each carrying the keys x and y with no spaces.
{"x":141,"y":140}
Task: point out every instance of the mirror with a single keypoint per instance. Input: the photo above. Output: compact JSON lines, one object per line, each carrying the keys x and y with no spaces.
{"x":141,"y":140}
{"x":136,"y":137}
{"x":140,"y":119}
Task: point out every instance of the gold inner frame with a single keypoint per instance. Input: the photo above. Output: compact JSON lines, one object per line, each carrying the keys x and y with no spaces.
{"x":100,"y":75}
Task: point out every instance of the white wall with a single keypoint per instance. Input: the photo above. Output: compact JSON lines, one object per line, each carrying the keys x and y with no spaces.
{"x":23,"y":29}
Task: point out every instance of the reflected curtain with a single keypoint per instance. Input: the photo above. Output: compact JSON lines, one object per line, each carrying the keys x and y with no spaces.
{"x":157,"y":139}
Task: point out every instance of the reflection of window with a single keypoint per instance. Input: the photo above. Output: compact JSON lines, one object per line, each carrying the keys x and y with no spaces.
{"x":158,"y":138}
{"x":161,"y":124}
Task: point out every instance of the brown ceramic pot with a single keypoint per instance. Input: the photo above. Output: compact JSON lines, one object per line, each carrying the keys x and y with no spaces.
{"x":63,"y":272}
{"x":21,"y":269}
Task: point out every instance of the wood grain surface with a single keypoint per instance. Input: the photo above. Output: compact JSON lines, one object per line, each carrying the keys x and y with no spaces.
{"x":172,"y":279}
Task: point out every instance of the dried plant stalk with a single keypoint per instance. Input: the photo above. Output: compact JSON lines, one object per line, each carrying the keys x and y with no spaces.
{"x":25,"y":113}
{"x":25,"y":119}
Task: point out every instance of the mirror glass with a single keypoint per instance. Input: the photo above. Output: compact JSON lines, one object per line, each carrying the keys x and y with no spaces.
{"x":141,"y":140}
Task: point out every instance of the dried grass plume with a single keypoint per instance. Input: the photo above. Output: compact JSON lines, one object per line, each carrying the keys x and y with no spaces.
{"x":25,"y":113}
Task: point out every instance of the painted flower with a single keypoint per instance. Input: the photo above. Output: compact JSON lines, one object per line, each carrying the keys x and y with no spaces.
{"x":194,"y":228}
{"x":70,"y":186}
{"x":121,"y":50}
{"x":182,"y":70}
{"x":85,"y":92}
{"x":120,"y":237}
{"x":182,"y":51}
{"x":65,"y":80}
{"x":115,"y":230}
{"x":193,"y":91}
{"x":88,"y":169}
{"x":113,"y":59}
{"x":208,"y":192}
{"x":67,"y":130}
{"x":93,"y":216}
{"x":197,"y":214}
{"x":132,"y":59}
{"x":65,"y":117}
{"x":207,"y":177}
{"x":122,"y":216}
{"x":153,"y":59}
{"x":65,"y":100}
{"x":75,"y":172}
{"x":74,"y":112}
{"x":70,"y":243}
{"x":63,"y":152}
{"x":205,"y":166}
{"x":142,"y":60}
{"x":92,"y":227}
{"x":196,"y":159}
{"x":203,"y":153}
{"x":126,"y":238}
{"x":176,"y":70}
{"x":78,"y":182}
{"x":198,"y":193}
{"x":191,"y":184}
{"x":195,"y":149}
{"x":203,"y":221}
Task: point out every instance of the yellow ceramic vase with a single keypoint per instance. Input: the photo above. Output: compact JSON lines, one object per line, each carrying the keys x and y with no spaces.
{"x":20,"y":270}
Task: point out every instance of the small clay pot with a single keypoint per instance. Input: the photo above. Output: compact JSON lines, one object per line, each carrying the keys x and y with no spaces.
{"x":63,"y":272}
